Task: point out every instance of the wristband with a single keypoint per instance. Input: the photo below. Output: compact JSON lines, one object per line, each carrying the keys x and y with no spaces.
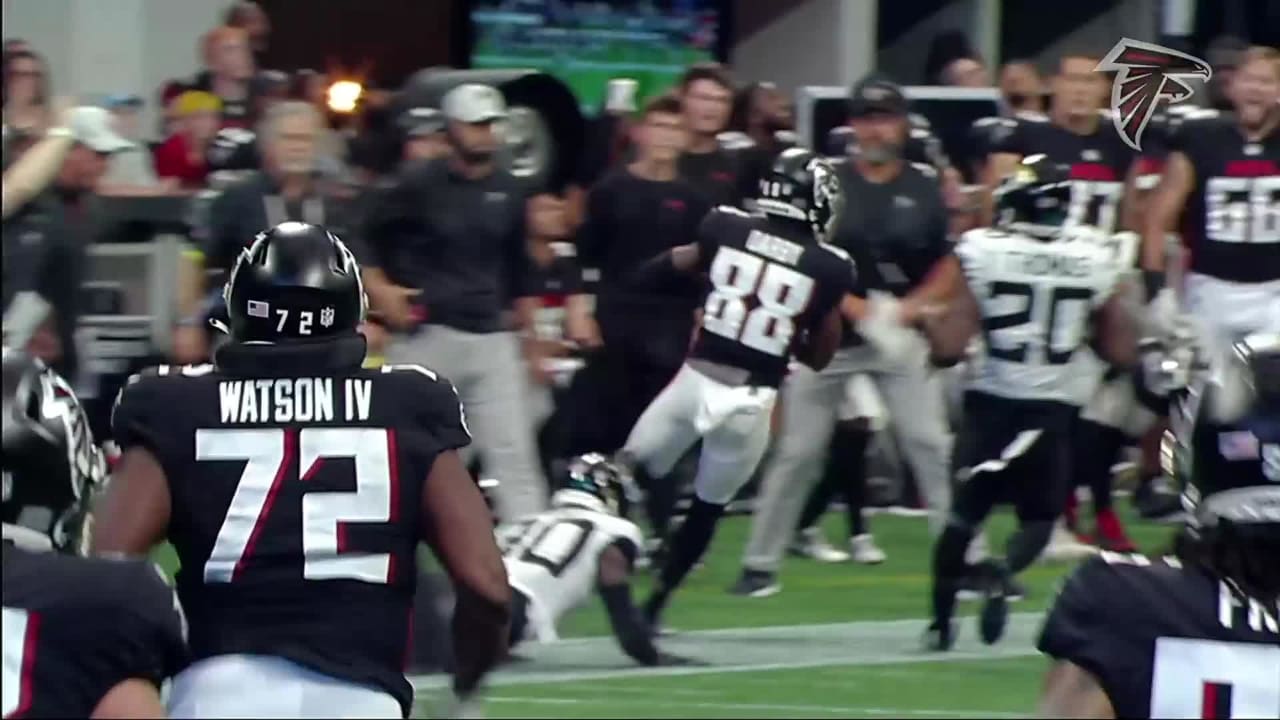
{"x":1153,"y":282}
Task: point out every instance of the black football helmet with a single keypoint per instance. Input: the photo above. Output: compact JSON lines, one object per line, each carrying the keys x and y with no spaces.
{"x":1034,"y":198}
{"x":802,"y":186}
{"x":50,"y":463}
{"x":595,"y":482}
{"x":296,"y":281}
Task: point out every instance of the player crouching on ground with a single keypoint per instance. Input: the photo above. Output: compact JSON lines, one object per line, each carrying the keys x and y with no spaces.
{"x":1197,"y":634}
{"x":555,"y":558}
{"x":83,"y":637}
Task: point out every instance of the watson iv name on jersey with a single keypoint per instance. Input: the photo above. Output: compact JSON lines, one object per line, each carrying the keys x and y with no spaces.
{"x":1098,"y":162}
{"x":296,"y":505}
{"x":1231,"y":223}
{"x":553,"y":559}
{"x":767,"y":289}
{"x":1167,"y":641}
{"x":1037,"y":299}
{"x":76,"y":627}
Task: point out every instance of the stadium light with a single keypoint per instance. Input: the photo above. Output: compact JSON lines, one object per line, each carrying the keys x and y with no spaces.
{"x":343,"y":96}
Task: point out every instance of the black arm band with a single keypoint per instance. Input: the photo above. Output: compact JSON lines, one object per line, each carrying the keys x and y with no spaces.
{"x":1153,"y":281}
{"x":630,"y":630}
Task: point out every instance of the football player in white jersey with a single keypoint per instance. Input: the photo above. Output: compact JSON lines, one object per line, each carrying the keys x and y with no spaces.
{"x":1039,"y":292}
{"x":583,"y":543}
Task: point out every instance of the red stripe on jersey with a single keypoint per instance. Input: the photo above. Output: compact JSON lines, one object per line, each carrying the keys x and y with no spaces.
{"x":553,"y":300}
{"x":1150,"y":166}
{"x":1251,"y":168}
{"x":1215,"y":700}
{"x":393,"y":477}
{"x":1093,"y":171}
{"x":290,"y":451}
{"x":311,"y":471}
{"x":30,"y":643}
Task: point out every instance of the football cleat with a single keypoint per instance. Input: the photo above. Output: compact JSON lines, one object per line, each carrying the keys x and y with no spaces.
{"x":939,"y":637}
{"x":756,"y":584}
{"x":865,"y":550}
{"x":810,"y":543}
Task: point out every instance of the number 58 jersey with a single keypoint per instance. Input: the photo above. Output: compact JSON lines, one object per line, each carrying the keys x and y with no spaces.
{"x":1036,"y":298}
{"x":768,"y":288}
{"x":295,"y":506}
{"x":553,"y":559}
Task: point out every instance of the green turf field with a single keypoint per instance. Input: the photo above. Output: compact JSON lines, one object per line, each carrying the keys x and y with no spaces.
{"x":838,"y":641}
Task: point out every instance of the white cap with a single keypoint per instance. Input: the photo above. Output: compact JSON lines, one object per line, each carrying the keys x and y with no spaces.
{"x":474,"y":103}
{"x":91,"y":127}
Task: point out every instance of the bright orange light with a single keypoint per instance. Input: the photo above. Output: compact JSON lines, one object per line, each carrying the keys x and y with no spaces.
{"x":343,"y":96}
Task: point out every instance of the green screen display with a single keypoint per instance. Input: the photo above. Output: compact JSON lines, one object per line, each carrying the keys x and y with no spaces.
{"x":586,"y":44}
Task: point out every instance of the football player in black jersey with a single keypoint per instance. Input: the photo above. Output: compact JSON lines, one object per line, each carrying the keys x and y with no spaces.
{"x":83,"y":637}
{"x":1196,"y":634}
{"x":1222,"y":178}
{"x":775,"y":294}
{"x":295,"y":486}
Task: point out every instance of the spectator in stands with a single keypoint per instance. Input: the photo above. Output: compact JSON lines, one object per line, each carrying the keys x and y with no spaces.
{"x":248,"y":16}
{"x":285,"y":189}
{"x":45,"y":241}
{"x":26,"y":92}
{"x":706,"y":94}
{"x":169,"y":94}
{"x":424,"y":135}
{"x":966,"y":72}
{"x":16,"y":45}
{"x":311,"y":86}
{"x":182,"y":155}
{"x":132,"y":170}
{"x":228,"y":75}
{"x":762,"y":114}
{"x":1021,"y":87}
{"x":268,"y":88}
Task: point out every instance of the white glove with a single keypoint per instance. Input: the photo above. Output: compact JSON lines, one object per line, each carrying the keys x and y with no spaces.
{"x":455,"y":707}
{"x":882,"y":329}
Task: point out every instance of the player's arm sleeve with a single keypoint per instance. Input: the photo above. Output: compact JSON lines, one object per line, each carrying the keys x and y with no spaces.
{"x":439,"y":408}
{"x":968,"y":251}
{"x":1077,"y":628}
{"x":614,"y":586}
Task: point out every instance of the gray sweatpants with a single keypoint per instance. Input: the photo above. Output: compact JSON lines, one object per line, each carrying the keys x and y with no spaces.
{"x":489,"y":374}
{"x":810,"y":400}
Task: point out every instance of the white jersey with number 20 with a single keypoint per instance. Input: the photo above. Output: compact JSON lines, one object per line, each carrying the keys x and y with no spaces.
{"x":553,"y":559}
{"x":1036,"y":298}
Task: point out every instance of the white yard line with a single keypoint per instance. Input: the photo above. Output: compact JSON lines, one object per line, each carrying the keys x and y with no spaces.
{"x":844,"y":711}
{"x":737,"y":650}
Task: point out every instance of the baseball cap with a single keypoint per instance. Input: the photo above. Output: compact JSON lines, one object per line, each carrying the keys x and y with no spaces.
{"x":474,"y":103}
{"x":420,"y":121}
{"x":876,"y":95}
{"x":91,"y":127}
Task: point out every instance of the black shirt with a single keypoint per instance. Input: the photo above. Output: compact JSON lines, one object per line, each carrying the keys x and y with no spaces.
{"x":462,"y":242}
{"x":628,"y":221}
{"x":1099,"y":162}
{"x":715,"y":174}
{"x":274,"y":444}
{"x":81,"y":626}
{"x":770,"y":285}
{"x":1230,"y":221}
{"x":895,"y":231}
{"x":45,"y":247}
{"x":254,"y":204}
{"x":1167,"y":641}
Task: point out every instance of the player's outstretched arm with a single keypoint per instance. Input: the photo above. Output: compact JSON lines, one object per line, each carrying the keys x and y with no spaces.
{"x":1163,"y":210}
{"x":614,"y":585}
{"x":1072,"y":692}
{"x":951,"y":328}
{"x":1115,"y":336}
{"x":459,"y":528}
{"x":665,"y":266}
{"x":133,"y":515}
{"x":133,"y":698}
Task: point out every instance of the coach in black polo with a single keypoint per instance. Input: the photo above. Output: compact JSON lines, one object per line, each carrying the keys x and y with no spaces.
{"x":452,"y":232}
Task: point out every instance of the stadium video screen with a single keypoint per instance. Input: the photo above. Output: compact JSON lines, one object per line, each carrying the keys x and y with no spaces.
{"x":585,"y":43}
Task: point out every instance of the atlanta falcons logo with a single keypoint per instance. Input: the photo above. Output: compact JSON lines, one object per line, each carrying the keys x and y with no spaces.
{"x":1145,"y":75}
